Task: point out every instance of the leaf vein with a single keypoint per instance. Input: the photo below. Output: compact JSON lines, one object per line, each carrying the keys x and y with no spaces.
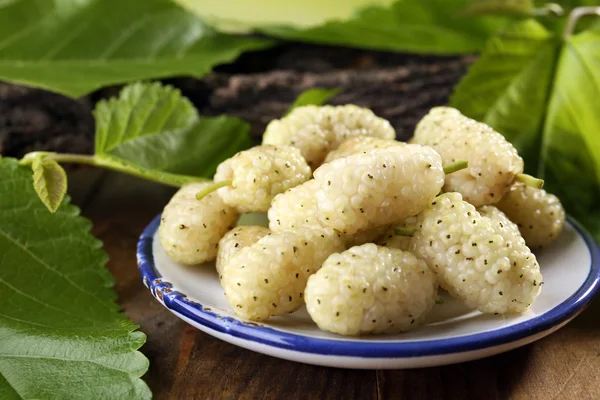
{"x":126,"y":34}
{"x":19,"y":292}
{"x":45,"y":265}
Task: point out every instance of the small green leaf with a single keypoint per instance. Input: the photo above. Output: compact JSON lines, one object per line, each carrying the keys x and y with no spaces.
{"x":62,"y":335}
{"x":49,"y":182}
{"x":419,"y":26}
{"x":508,"y":87}
{"x":141,"y":110}
{"x":76,"y":46}
{"x":152,"y":127}
{"x":314,"y":97}
{"x":499,"y":7}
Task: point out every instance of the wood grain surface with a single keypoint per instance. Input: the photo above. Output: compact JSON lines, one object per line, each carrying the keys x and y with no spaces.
{"x":188,"y":364}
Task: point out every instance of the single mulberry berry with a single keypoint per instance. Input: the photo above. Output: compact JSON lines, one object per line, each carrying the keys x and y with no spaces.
{"x":371,"y":289}
{"x":268,"y":278}
{"x":235,"y":240}
{"x":360,"y":144}
{"x":253,"y":177}
{"x":382,"y":187}
{"x":319,"y":130}
{"x":539,"y":215}
{"x":494,"y":164}
{"x":297,"y":208}
{"x":190,"y":230}
{"x":482,"y":261}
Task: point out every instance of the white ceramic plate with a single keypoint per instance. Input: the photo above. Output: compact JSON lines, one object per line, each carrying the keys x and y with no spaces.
{"x":571,"y":270}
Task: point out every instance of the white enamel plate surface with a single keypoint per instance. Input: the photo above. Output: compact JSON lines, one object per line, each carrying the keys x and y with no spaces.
{"x":571,"y":270}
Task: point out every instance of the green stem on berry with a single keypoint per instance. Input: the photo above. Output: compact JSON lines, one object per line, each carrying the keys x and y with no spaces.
{"x":399,"y":231}
{"x":209,"y":189}
{"x":439,"y":300}
{"x":530,"y":181}
{"x":457,"y":166}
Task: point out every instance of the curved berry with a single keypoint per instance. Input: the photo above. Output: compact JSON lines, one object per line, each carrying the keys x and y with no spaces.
{"x":382,"y":187}
{"x":235,"y":240}
{"x":493,"y":162}
{"x":370,"y":289}
{"x":259,"y":174}
{"x":318,"y":130}
{"x":190,"y":229}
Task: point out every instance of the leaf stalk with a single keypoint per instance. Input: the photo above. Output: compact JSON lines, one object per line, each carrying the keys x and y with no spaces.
{"x":575,"y":16}
{"x":114,"y":164}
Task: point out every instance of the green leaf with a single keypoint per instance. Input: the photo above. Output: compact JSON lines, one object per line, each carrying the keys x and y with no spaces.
{"x":76,"y":46}
{"x":314,"y":97}
{"x":508,"y":87}
{"x":140,"y":110}
{"x":546,"y":107}
{"x":420,"y":26}
{"x":154,"y":128}
{"x":495,"y":7}
{"x":49,"y":182}
{"x":62,"y":333}
{"x":571,"y":144}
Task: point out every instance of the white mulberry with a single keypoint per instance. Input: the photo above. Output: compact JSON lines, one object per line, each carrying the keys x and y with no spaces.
{"x":259,"y":174}
{"x":539,"y":215}
{"x":493,"y":161}
{"x":318,"y":130}
{"x":359,"y":144}
{"x":382,"y":187}
{"x":499,"y":218}
{"x":370,"y":289}
{"x":268,"y":278}
{"x":235,"y":240}
{"x":479,"y":260}
{"x":295,"y":208}
{"x":190,"y":229}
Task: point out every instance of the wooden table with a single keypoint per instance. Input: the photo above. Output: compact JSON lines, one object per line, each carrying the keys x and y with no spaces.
{"x":185,"y":363}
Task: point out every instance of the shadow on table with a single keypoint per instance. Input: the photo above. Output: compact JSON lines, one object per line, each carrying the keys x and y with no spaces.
{"x":488,"y":378}
{"x":588,"y":319}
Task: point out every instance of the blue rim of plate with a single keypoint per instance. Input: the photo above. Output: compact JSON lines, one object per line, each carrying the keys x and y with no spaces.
{"x":179,"y":303}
